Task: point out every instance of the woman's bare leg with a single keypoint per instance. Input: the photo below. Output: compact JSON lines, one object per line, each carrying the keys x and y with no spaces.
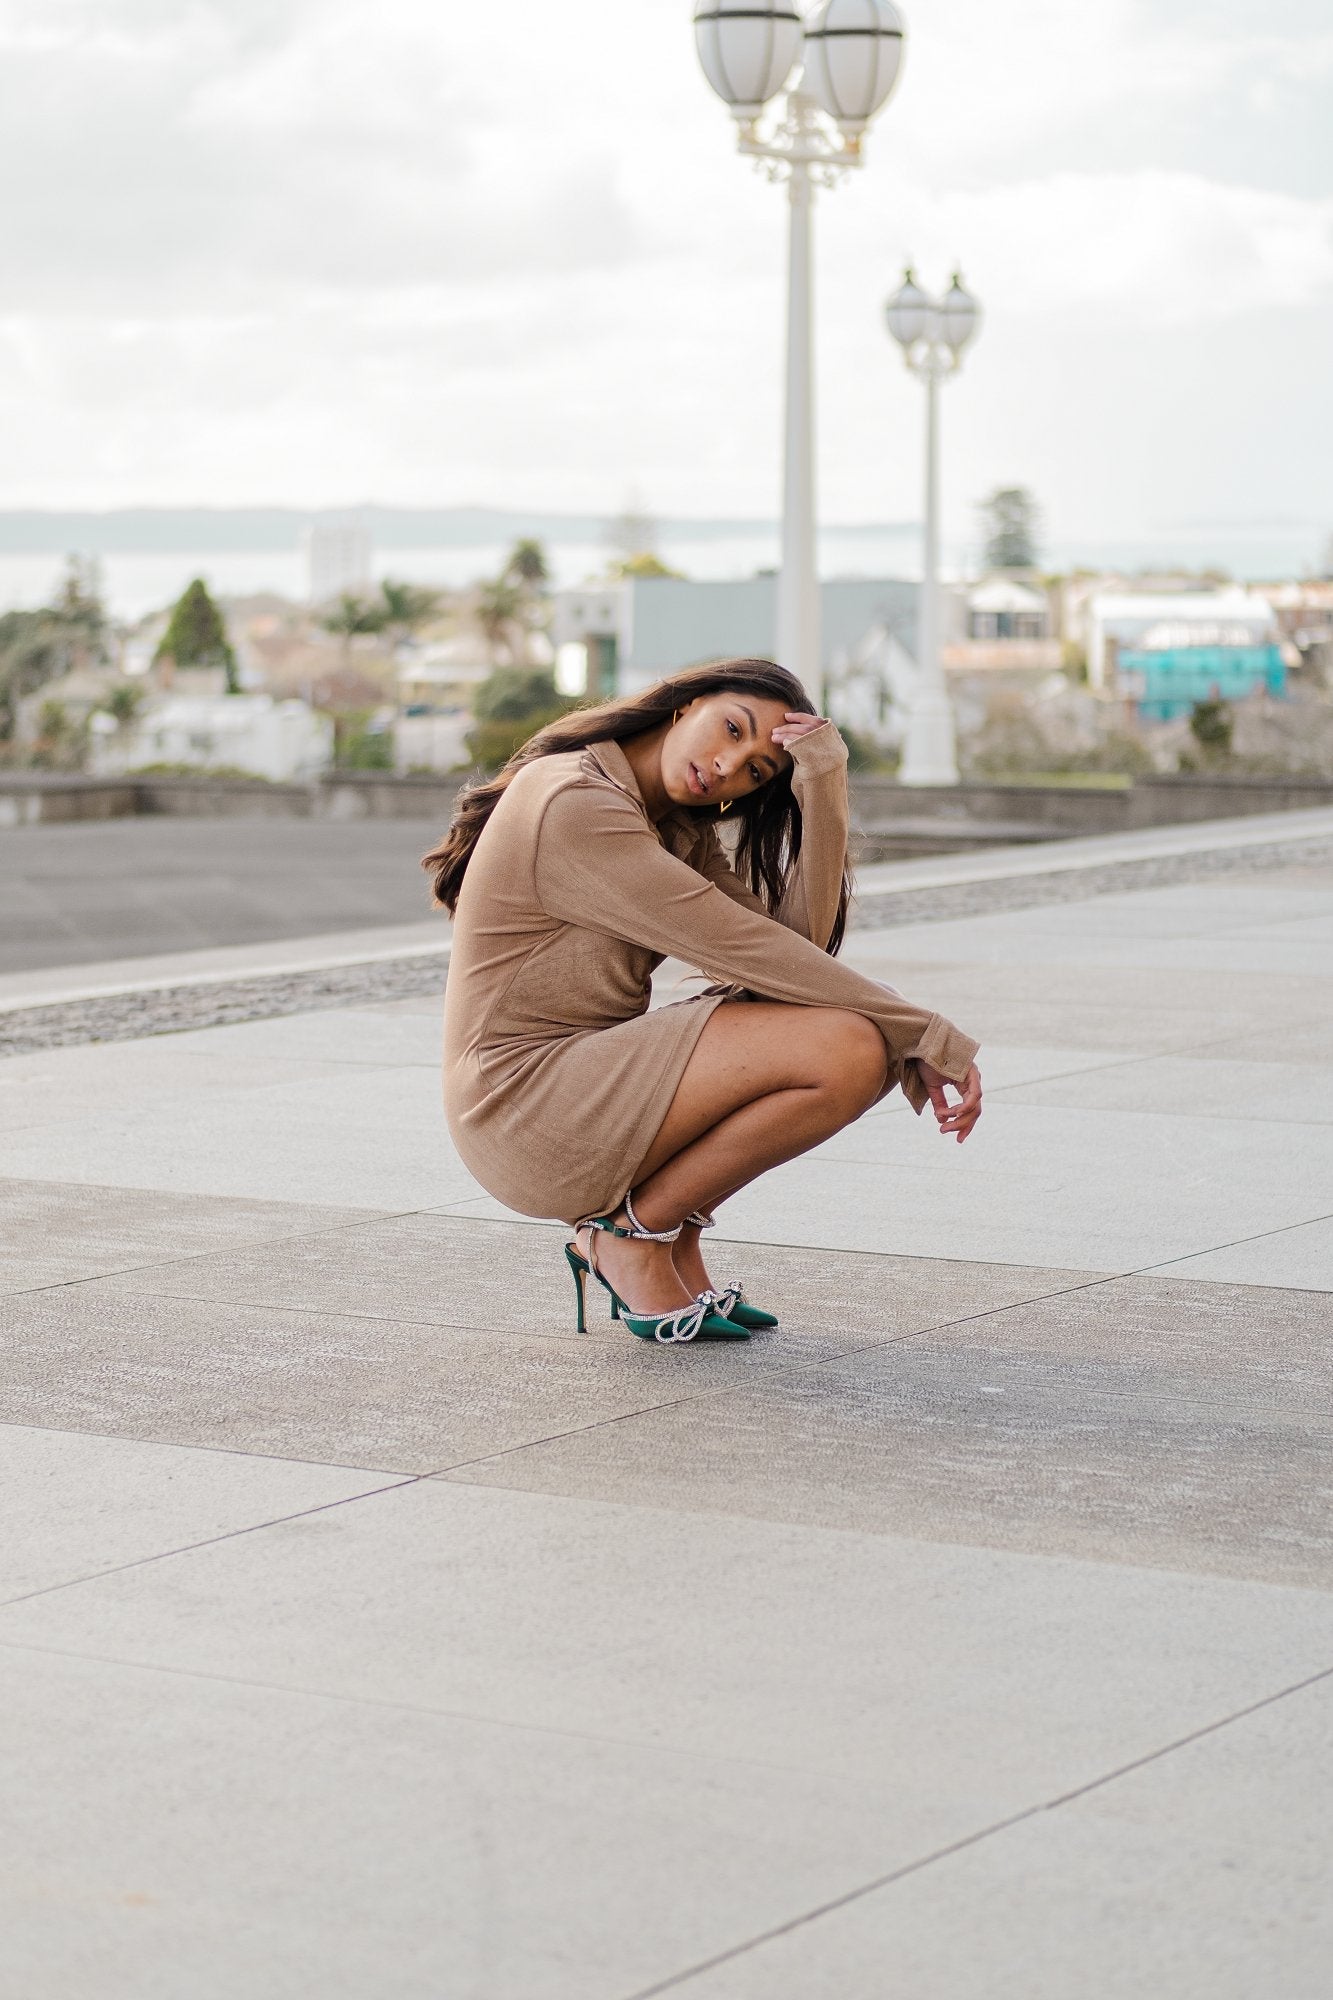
{"x":765,"y":1083}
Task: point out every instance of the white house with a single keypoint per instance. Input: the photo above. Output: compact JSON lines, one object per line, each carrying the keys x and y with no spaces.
{"x":247,"y":732}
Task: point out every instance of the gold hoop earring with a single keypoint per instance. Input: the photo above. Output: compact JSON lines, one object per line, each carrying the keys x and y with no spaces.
{"x":676,"y":716}
{"x":725,"y":806}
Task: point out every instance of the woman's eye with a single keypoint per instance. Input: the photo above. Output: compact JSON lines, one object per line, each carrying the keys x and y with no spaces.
{"x":754,"y":774}
{"x":732,"y":727}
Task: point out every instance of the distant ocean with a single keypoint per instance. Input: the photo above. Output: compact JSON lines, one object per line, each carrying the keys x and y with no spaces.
{"x":139,"y":582}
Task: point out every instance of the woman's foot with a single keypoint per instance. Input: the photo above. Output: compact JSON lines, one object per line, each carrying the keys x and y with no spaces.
{"x":687,"y":1257}
{"x":642,"y":1273}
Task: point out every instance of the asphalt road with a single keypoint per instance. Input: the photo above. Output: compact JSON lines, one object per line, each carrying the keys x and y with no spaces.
{"x":127,"y":888}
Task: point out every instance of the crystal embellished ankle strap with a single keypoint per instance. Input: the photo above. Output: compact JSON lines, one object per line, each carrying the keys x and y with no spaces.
{"x":649,"y":1235}
{"x":701,"y":1221}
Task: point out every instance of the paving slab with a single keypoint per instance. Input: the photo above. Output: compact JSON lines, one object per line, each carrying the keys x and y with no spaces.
{"x":158,"y":1077}
{"x":54,"y":1233}
{"x":680,"y":1630}
{"x":1045,"y":1184}
{"x":1201,"y":1086}
{"x":444,"y":1270}
{"x":74,"y":1506}
{"x":187,"y":1835}
{"x":393,"y":1346}
{"x":1300,"y":1257}
{"x":372,"y":1137}
{"x":1204,"y":1872}
{"x":1167,"y":1425}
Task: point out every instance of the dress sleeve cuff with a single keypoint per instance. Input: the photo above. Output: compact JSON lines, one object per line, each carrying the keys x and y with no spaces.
{"x":820,"y":754}
{"x":946,"y":1049}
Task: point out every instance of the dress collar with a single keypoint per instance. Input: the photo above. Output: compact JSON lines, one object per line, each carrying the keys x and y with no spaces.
{"x":614,"y":765}
{"x":612,"y":762}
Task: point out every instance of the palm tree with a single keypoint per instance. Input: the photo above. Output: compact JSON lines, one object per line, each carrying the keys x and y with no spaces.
{"x":527,"y":565}
{"x":498,"y":608}
{"x":406,"y":606}
{"x":350,"y":617}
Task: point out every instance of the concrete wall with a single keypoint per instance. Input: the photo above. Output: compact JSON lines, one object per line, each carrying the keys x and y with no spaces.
{"x":35,"y":797}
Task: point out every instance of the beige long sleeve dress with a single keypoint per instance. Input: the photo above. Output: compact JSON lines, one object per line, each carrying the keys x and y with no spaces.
{"x":556,"y":1075}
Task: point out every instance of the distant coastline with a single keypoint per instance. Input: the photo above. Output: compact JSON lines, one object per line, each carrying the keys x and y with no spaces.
{"x":278,"y":530}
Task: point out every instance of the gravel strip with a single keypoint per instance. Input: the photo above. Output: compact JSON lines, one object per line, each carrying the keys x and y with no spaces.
{"x":124,"y":1017}
{"x":121,"y":1017}
{"x":1072,"y":885}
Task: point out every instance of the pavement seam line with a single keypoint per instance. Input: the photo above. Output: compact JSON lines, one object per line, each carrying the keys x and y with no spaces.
{"x":1260,"y":1236}
{"x":211,"y":1541}
{"x":192,"y":1256}
{"x":681,"y":1979}
{"x":396,"y":1706}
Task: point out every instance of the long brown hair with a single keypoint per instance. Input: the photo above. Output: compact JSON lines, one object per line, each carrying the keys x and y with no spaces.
{"x":768,"y":819}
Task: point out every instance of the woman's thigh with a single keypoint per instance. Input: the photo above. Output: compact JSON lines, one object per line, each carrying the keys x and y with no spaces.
{"x":752,"y":1048}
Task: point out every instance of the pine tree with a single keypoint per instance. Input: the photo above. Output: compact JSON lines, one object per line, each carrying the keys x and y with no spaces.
{"x":1011,"y":522}
{"x":197,"y":635}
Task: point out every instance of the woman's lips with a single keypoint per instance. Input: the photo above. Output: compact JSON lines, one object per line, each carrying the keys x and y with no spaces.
{"x":696,"y":782}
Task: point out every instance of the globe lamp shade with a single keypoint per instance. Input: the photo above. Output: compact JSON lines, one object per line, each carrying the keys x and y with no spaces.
{"x":853,"y":53}
{"x":960,"y":316}
{"x":910,"y":312}
{"x":748,"y":49}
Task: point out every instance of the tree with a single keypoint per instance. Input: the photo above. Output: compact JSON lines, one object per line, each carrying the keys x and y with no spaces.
{"x":406,"y":606}
{"x":1212,"y":725}
{"x":642,"y":565}
{"x":351,"y":617}
{"x":123,"y":702}
{"x":527,"y":566}
{"x":633,"y":533}
{"x":196,"y":635}
{"x":78,"y":600}
{"x":499,"y":609}
{"x":41,"y":646}
{"x":512,"y":704}
{"x":1011,"y":522}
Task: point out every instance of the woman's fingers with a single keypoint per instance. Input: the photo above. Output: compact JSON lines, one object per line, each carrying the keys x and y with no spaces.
{"x":958,"y":1119}
{"x":795,"y":726}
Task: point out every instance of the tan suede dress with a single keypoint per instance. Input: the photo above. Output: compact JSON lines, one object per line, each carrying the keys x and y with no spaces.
{"x":557,"y":1077}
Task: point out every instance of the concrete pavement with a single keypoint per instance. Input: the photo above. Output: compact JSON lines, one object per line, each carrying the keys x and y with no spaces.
{"x":364,"y":1631}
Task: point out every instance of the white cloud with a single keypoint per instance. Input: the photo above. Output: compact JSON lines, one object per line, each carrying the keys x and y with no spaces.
{"x":322,"y":251}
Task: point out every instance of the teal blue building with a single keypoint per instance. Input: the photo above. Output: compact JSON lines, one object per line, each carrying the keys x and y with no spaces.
{"x":1166,"y":683}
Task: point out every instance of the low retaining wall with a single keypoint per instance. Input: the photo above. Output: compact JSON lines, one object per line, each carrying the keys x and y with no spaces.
{"x":30,"y":798}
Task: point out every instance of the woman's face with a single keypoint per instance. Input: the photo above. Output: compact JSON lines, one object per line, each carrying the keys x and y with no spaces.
{"x":722,"y":748}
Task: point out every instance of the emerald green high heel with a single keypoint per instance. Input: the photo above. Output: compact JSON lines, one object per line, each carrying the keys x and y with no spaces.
{"x":696,"y":1321}
{"x":730,"y":1302}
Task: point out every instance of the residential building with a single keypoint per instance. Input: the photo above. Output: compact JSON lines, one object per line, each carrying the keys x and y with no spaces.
{"x":1177,"y":623}
{"x":641,"y":628}
{"x":339,"y":557}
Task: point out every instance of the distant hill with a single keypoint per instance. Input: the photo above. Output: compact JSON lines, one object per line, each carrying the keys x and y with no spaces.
{"x":250,"y":530}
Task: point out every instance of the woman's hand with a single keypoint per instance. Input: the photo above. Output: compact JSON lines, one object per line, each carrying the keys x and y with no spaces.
{"x":793,"y":727}
{"x":958,"y":1118}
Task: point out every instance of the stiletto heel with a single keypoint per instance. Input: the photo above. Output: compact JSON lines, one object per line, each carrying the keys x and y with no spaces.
{"x":579,"y":1272}
{"x":696,"y":1321}
{"x":730,"y":1302}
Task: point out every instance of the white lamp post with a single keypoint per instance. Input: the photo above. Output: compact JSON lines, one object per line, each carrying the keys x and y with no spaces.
{"x":932,"y":334}
{"x":851,"y":51}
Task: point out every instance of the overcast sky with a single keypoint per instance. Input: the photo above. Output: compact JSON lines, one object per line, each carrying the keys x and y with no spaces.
{"x":436,"y":251}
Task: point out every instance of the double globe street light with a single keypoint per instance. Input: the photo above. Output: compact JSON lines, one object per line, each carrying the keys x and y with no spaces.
{"x":847,"y":55}
{"x":932,"y":334}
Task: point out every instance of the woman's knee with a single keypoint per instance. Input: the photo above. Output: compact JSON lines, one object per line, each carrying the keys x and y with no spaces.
{"x":850,"y":1059}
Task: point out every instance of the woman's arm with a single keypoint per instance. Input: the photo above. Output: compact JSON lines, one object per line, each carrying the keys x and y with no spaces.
{"x":600,"y":866}
{"x":810,"y":900}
